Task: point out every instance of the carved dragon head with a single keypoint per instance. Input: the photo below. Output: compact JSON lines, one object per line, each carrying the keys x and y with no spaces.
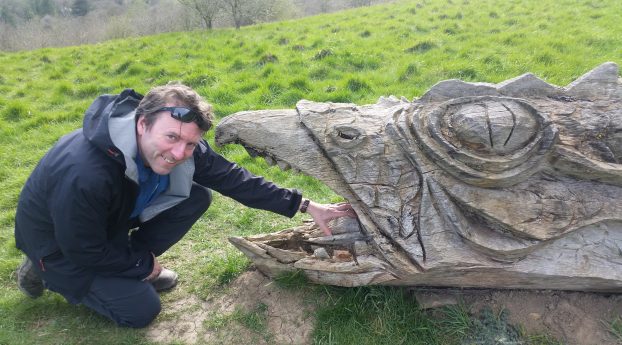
{"x":516,"y":185}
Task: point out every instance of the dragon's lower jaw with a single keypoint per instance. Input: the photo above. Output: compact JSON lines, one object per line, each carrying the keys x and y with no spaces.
{"x":349,"y":257}
{"x":344,"y":259}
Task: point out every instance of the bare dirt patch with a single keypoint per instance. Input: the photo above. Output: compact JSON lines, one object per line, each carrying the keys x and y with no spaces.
{"x":288,"y":315}
{"x":574,"y":318}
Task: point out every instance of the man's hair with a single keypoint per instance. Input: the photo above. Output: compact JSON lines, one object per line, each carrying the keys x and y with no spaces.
{"x":180,"y":95}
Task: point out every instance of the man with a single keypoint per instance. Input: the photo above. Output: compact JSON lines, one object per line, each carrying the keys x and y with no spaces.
{"x":109,"y":198}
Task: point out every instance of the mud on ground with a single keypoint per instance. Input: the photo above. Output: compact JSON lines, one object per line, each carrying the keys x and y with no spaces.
{"x":288,"y":315}
{"x":574,"y":318}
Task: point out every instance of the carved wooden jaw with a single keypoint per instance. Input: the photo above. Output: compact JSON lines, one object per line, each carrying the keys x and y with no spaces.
{"x":344,"y":146}
{"x":346,"y":258}
{"x":515,"y":185}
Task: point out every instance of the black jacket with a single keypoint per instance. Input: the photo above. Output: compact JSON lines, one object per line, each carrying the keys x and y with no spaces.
{"x":73,"y":212}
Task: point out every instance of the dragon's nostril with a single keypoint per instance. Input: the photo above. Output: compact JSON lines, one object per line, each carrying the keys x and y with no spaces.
{"x":345,"y":135}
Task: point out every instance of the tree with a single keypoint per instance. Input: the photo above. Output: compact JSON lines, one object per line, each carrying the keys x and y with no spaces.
{"x":269,"y":10}
{"x":64,"y":7}
{"x":205,"y":9}
{"x":246,"y":12}
{"x":237,"y":9}
{"x":14,"y":11}
{"x":42,"y":7}
{"x":80,"y":7}
{"x":6,"y":16}
{"x":324,"y":5}
{"x":359,"y":3}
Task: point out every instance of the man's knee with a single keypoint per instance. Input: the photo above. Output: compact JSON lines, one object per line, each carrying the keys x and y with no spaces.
{"x":143,"y":312}
{"x":127,"y":302}
{"x":143,"y":316}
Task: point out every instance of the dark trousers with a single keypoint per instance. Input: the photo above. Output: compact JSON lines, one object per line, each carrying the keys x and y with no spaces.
{"x":135,"y":303}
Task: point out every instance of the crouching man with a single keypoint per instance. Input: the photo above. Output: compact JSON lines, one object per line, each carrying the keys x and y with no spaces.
{"x":111,"y":197}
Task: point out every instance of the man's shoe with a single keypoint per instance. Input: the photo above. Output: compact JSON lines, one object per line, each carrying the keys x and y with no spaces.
{"x":165,"y":281}
{"x":28,"y":281}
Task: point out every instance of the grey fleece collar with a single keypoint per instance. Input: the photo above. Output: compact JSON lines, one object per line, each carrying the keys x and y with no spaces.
{"x":123,"y":135}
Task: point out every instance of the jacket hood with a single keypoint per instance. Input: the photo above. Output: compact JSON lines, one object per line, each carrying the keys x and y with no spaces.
{"x":101,"y":114}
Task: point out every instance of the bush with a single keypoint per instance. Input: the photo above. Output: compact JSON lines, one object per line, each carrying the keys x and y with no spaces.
{"x":14,"y":111}
{"x":268,"y":58}
{"x":421,"y":47}
{"x":357,"y":85}
{"x":322,"y":54}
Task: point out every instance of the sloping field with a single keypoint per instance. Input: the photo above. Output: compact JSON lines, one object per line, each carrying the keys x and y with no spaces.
{"x":353,"y":56}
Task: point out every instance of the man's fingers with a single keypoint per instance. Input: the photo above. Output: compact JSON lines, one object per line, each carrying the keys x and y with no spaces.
{"x":344,"y":213}
{"x":322,"y":214}
{"x":347,"y":208}
{"x":343,"y":207}
{"x":324,"y":228}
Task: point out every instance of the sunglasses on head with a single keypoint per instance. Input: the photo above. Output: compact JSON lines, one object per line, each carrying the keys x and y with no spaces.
{"x":180,"y":113}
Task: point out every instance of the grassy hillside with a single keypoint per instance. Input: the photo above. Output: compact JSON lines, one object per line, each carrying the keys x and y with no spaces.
{"x":352,"y":56}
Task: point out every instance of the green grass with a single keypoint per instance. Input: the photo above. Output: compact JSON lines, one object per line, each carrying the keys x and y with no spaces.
{"x":50,"y":320}
{"x":255,"y":321}
{"x":352,"y":56}
{"x":615,"y":328}
{"x":369,"y":314}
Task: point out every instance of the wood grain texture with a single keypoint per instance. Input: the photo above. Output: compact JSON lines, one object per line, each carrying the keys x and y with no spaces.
{"x":509,"y":185}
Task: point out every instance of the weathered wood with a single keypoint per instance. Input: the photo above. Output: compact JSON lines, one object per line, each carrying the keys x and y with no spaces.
{"x":509,"y":185}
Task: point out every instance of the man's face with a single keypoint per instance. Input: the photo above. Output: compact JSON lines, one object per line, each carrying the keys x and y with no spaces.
{"x":167,"y":143}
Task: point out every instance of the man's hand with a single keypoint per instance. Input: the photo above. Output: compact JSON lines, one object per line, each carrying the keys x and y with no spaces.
{"x":156,"y":270}
{"x":322,"y":214}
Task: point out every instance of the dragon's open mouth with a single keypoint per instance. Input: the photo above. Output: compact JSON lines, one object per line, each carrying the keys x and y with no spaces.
{"x":350,"y":257}
{"x":347,"y":258}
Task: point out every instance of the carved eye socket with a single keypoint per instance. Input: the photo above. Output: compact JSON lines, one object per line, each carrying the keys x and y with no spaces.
{"x":490,"y":127}
{"x":486,"y":140}
{"x":347,"y":136}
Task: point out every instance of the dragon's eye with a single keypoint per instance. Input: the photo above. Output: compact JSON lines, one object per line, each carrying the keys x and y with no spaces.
{"x":490,"y":127}
{"x":486,"y":140}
